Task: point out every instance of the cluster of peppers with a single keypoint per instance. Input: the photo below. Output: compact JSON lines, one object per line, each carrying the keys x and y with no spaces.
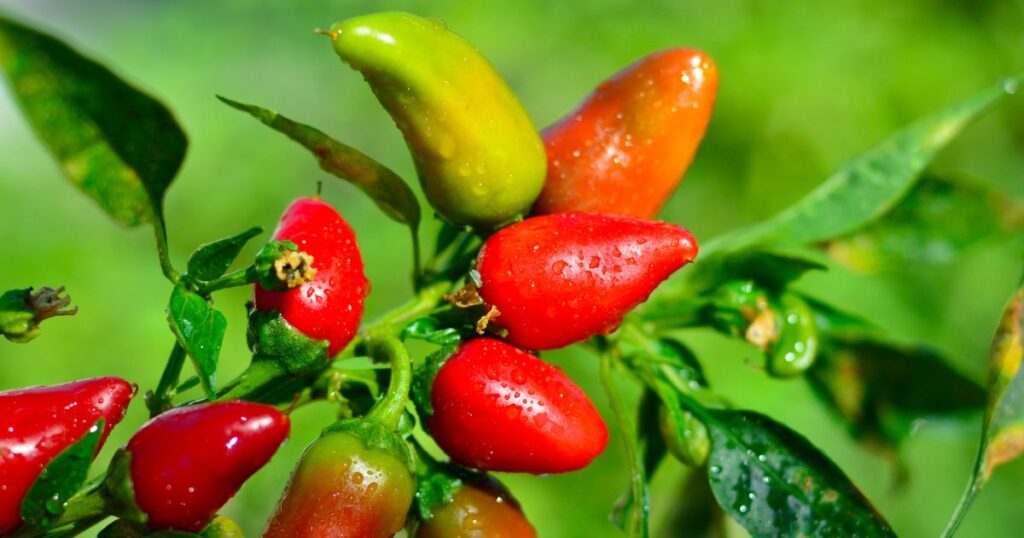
{"x":569,"y":249}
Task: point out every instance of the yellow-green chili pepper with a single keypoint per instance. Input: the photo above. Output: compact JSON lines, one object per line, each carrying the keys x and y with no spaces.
{"x":479,"y":157}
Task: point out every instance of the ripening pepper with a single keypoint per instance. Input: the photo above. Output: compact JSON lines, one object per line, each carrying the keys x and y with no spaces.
{"x":479,"y":157}
{"x":498,"y":408}
{"x":330,"y":305}
{"x":38,"y":423}
{"x":187,"y":462}
{"x":478,"y":509}
{"x":627,"y":146}
{"x":558,"y":279}
{"x":353,"y":482}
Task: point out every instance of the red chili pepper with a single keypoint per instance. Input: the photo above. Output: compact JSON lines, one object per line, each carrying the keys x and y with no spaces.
{"x":346,"y":488}
{"x":187,"y":462}
{"x":330,"y":306}
{"x":559,"y":279}
{"x":37,"y":423}
{"x":627,"y":146}
{"x":478,"y":511}
{"x":498,"y":408}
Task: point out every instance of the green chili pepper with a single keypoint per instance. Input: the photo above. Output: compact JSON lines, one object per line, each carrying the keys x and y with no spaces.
{"x":797,"y":346}
{"x":686,"y":437}
{"x":479,"y":157}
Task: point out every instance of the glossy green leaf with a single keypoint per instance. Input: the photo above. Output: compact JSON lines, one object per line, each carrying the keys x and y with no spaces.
{"x":879,"y":388}
{"x":937,"y":220}
{"x":871,"y":184}
{"x":200,"y":330}
{"x":116,"y":143}
{"x":391,"y":194}
{"x":774,"y":482}
{"x":212,"y":260}
{"x":46,"y":500}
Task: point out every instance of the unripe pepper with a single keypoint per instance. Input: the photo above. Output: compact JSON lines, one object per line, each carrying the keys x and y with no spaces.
{"x":689,"y":442}
{"x":187,"y":462}
{"x":37,"y":423}
{"x":627,"y":146}
{"x":330,"y":306}
{"x":559,"y":279}
{"x":352,"y":482}
{"x":479,"y":157}
{"x":478,"y":510}
{"x":498,"y":408}
{"x":797,"y":345}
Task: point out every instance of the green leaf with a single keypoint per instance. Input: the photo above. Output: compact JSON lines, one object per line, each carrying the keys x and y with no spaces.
{"x":117,"y":144}
{"x":937,"y":220}
{"x":774,"y":482}
{"x":200,"y":330}
{"x":46,"y":500}
{"x":771,"y":268}
{"x":211,"y":260}
{"x":880,"y":388}
{"x":1004,"y":415}
{"x":391,"y":194}
{"x":868,"y":186}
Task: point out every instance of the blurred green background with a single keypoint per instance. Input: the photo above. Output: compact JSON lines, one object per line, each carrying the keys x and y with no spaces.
{"x":804,"y":85}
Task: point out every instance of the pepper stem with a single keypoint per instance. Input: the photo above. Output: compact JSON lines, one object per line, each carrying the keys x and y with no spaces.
{"x":388,"y":410}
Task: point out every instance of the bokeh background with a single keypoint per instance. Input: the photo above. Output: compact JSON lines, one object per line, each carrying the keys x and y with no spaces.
{"x":804,"y":85}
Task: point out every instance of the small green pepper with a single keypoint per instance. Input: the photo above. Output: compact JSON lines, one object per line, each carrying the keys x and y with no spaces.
{"x":685,"y":436}
{"x":479,"y":157}
{"x":797,"y":346}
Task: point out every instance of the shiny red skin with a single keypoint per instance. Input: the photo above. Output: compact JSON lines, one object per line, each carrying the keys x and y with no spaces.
{"x":37,"y":423}
{"x":330,"y":306}
{"x":559,"y":279}
{"x":627,"y":146}
{"x":187,"y":462}
{"x":498,"y":408}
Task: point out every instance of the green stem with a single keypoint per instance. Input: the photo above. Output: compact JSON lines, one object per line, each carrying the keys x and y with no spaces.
{"x":424,"y":303}
{"x":974,"y":486}
{"x":85,"y":505}
{"x":636,"y":517}
{"x":162,"y":250}
{"x":256,"y":377}
{"x":417,"y":261}
{"x":389,"y":409}
{"x":241,"y":277}
{"x":168,"y":381}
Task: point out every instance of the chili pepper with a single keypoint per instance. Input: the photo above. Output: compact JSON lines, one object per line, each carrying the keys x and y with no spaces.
{"x":354,"y":481}
{"x":498,"y":408}
{"x":478,"y":509}
{"x":37,"y":423}
{"x":626,"y":147}
{"x":187,"y":462}
{"x":689,"y":442}
{"x":21,"y":311}
{"x":330,"y":305}
{"x":797,"y":346}
{"x":559,"y":279}
{"x":479,"y":157}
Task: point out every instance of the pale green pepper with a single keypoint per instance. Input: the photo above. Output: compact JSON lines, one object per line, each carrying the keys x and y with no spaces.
{"x":479,"y":157}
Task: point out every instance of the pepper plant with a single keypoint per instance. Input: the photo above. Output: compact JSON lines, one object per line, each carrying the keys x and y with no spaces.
{"x":542,"y":240}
